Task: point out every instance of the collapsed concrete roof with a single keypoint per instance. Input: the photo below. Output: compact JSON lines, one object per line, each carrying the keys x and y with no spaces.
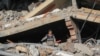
{"x":28,"y":22}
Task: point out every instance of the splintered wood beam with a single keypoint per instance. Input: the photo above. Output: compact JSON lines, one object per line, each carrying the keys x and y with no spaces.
{"x":45,"y":7}
{"x":74,"y":4}
{"x":39,"y":9}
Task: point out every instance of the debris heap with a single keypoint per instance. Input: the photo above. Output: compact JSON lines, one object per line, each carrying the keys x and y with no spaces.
{"x":32,"y":49}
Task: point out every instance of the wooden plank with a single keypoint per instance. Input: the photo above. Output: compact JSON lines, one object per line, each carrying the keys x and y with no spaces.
{"x":39,"y":8}
{"x":46,"y":6}
{"x":82,"y":14}
{"x":87,"y":10}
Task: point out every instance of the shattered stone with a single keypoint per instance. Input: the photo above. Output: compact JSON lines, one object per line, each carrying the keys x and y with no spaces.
{"x":83,"y":49}
{"x":62,"y":53}
{"x":33,"y":51}
{"x":21,"y":49}
{"x":78,"y":54}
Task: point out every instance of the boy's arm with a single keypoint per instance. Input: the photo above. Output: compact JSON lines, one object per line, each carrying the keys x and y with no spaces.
{"x":54,"y":39}
{"x":44,"y":38}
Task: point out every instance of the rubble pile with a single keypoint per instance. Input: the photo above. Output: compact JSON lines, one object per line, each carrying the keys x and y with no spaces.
{"x":10,"y":15}
{"x":27,"y":49}
{"x":15,"y":19}
{"x":32,"y":49}
{"x":12,"y":22}
{"x":24,"y":49}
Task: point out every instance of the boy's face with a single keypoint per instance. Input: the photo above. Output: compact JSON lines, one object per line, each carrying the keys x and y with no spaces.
{"x":50,"y":32}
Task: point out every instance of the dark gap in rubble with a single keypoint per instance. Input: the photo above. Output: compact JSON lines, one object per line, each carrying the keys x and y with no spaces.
{"x":88,"y":4}
{"x":89,"y":31}
{"x":35,"y":35}
{"x":18,"y":5}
